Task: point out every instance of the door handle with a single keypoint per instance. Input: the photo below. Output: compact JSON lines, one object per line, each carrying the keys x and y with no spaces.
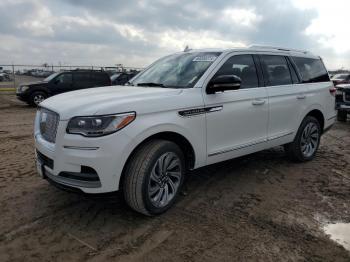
{"x":258,"y":102}
{"x":301,"y":96}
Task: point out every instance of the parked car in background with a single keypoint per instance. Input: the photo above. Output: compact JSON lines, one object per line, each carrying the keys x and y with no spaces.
{"x":341,"y":79}
{"x":185,"y":111}
{"x":343,"y":101}
{"x":57,"y":83}
{"x":122,"y":78}
{"x":44,"y":73}
{"x":4,"y":77}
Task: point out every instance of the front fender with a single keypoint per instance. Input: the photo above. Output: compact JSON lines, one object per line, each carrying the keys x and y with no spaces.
{"x":193,"y":129}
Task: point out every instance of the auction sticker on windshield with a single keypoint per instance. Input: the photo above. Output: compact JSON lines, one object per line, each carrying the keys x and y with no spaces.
{"x":204,"y":58}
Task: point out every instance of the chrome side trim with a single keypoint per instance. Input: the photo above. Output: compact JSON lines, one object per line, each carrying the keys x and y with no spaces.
{"x":238,"y":147}
{"x":214,"y":109}
{"x":200,"y":111}
{"x":332,"y":117}
{"x":80,"y":148}
{"x":279,"y":136}
{"x":249,"y":144}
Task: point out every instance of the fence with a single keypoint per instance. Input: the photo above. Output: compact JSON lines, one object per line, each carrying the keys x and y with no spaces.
{"x":12,"y":76}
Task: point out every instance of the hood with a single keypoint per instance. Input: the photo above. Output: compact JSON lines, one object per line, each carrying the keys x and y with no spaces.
{"x":110,"y":100}
{"x":36,"y":83}
{"x":343,"y":86}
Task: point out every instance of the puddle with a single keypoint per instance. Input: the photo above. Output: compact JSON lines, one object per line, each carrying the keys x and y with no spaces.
{"x":340,"y":233}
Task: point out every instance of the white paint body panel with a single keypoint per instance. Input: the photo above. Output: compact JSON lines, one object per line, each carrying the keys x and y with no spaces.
{"x":239,"y":128}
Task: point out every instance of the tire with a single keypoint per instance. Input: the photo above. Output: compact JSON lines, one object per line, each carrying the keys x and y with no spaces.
{"x":306,"y":141}
{"x":141,"y":191}
{"x":342,"y":115}
{"x":37,"y":97}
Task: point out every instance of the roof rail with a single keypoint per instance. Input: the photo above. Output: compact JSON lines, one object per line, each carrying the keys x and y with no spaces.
{"x":277,"y":48}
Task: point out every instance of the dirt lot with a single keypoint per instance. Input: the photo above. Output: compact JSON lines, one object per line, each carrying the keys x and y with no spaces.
{"x":260,"y":207}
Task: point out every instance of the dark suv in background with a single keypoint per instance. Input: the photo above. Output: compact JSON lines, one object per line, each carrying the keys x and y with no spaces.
{"x":341,"y":79}
{"x":57,"y":83}
{"x":122,"y":78}
{"x":342,"y":101}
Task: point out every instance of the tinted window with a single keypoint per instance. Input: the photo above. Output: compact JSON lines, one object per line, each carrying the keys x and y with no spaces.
{"x":99,"y":78}
{"x":81,"y":77}
{"x":311,"y":70}
{"x":242,"y":66}
{"x":276,"y":71}
{"x":65,"y":78}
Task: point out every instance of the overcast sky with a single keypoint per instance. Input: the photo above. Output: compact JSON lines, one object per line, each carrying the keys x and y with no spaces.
{"x":134,"y":33}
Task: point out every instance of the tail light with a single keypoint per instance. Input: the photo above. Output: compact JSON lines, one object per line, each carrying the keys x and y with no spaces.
{"x":332,"y":90}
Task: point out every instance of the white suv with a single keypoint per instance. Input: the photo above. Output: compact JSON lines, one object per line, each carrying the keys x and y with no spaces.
{"x":185,"y":111}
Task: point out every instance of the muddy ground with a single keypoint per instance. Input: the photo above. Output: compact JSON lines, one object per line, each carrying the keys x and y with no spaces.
{"x":261,"y":207}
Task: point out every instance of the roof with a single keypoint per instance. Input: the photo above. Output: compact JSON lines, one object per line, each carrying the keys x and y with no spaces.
{"x":259,"y":49}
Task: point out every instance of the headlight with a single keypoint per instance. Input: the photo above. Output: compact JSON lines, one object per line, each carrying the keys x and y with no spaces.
{"x":23,"y":88}
{"x":94,"y":126}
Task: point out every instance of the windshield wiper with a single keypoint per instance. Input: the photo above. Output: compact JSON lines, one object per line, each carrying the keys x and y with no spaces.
{"x":151,"y":84}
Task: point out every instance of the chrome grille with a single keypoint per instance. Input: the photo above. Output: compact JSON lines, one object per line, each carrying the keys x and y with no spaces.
{"x":48,"y":124}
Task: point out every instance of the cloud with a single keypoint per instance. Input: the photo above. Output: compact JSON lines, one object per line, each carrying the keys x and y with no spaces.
{"x":137,"y":32}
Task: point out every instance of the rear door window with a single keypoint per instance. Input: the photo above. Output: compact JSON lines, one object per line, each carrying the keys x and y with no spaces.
{"x":311,"y":70}
{"x":99,"y":79}
{"x":275,"y":69}
{"x":82,"y":80}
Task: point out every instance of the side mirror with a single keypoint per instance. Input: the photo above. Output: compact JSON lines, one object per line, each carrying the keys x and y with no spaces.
{"x":56,"y":81}
{"x":224,"y":82}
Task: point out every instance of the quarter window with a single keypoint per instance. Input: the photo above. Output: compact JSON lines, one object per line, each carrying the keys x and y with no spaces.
{"x":242,"y":66}
{"x":276,"y":71}
{"x":311,"y":70}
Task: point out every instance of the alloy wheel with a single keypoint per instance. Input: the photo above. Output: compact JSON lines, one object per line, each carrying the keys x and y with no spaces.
{"x":309,"y":139}
{"x":165,"y":179}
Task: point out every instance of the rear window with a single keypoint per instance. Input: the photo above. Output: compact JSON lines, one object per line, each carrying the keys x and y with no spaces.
{"x":311,"y":70}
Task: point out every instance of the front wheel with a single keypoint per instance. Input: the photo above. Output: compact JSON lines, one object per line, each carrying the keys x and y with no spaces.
{"x":306,"y":141}
{"x":154,"y":177}
{"x":37,"y":97}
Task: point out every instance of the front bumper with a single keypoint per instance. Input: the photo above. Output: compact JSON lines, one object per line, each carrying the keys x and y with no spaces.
{"x":71,"y":153}
{"x":343,"y":106}
{"x":22,"y":96}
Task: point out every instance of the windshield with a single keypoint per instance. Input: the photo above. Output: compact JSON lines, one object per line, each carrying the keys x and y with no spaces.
{"x":176,"y":71}
{"x":50,"y":77}
{"x":114,"y":77}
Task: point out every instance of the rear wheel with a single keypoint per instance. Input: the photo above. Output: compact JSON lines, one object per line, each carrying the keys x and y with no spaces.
{"x":37,"y":97}
{"x":342,"y":115}
{"x":154,"y":177}
{"x":306,"y":141}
